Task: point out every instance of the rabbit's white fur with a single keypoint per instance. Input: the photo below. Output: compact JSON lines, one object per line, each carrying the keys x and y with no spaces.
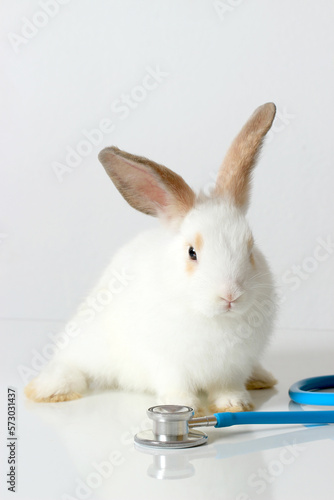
{"x":166,"y":328}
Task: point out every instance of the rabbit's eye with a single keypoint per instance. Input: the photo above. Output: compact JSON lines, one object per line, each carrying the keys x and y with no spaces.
{"x":192,"y":253}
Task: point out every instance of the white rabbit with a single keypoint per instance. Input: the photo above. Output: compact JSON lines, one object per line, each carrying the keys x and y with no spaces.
{"x":196,"y":303}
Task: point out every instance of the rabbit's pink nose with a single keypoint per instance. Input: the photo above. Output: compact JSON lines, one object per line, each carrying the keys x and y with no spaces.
{"x":229,"y":298}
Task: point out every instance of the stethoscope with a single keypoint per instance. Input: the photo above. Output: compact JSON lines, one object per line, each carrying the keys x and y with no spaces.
{"x":173,"y":425}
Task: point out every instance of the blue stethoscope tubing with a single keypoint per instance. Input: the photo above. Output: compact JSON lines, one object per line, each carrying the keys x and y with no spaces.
{"x":301,"y":392}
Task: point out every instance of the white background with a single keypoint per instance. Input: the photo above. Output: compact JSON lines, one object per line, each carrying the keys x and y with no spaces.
{"x":57,"y":237}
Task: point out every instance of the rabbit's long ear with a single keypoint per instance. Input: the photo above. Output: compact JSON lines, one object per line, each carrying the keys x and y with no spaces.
{"x":147,"y":186}
{"x":235,"y":173}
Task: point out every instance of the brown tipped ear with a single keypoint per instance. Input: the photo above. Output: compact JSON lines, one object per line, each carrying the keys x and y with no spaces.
{"x":147,"y":186}
{"x":235,"y":172}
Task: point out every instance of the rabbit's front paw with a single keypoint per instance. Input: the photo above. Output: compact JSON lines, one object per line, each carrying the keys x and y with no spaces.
{"x":32,"y":392}
{"x":56,"y":384}
{"x":229,"y":401}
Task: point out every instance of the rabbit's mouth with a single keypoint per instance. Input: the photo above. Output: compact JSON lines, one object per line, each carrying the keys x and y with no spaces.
{"x":227,"y":306}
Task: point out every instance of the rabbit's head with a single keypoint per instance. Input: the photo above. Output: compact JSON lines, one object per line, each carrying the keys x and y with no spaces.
{"x":217,"y":266}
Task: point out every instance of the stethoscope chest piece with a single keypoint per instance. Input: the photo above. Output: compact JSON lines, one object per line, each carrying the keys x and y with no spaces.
{"x":170,"y":428}
{"x":173,"y":426}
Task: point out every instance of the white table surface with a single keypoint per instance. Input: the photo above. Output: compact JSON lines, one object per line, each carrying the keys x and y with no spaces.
{"x":63,"y":445}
